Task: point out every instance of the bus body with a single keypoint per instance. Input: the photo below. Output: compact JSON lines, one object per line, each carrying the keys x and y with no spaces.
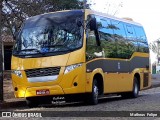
{"x":79,"y":52}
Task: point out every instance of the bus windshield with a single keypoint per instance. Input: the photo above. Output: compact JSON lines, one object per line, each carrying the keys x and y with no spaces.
{"x":50,"y":33}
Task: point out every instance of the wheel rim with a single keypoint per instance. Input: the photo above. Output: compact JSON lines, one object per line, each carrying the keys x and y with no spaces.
{"x":136,"y":89}
{"x":95,"y":92}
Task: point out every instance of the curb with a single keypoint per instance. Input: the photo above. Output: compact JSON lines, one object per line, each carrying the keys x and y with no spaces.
{"x":155,"y":86}
{"x":14,"y":104}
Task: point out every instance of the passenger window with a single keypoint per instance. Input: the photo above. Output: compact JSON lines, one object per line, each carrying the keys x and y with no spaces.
{"x":120,"y":38}
{"x":105,"y":30}
{"x":118,"y":29}
{"x":131,"y":39}
{"x":142,"y":40}
{"x":92,"y":49}
{"x":105,"y":27}
{"x":140,"y":33}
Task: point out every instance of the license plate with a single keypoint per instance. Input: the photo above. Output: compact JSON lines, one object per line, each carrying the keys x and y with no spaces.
{"x":42,"y":92}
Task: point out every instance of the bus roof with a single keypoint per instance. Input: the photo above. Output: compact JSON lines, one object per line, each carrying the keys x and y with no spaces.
{"x":53,"y":18}
{"x":93,"y":12}
{"x":38,"y":16}
{"x":113,"y":17}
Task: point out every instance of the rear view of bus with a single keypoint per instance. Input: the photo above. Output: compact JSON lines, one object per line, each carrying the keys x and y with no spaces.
{"x":79,"y":52}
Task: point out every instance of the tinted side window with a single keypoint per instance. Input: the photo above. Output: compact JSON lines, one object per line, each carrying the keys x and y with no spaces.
{"x":142,"y":40}
{"x":105,"y":29}
{"x":132,"y":43}
{"x":118,"y":29}
{"x":120,"y":38}
{"x":92,"y":49}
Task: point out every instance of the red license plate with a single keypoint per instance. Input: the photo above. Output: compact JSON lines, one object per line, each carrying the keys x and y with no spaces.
{"x":42,"y":92}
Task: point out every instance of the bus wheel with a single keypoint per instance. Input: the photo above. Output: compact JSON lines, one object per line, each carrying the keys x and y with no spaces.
{"x":31,"y":102}
{"x":135,"y":91}
{"x":93,"y":97}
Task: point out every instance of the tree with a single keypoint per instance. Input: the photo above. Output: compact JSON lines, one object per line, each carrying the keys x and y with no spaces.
{"x":155,"y":46}
{"x":14,"y":12}
{"x":111,"y":7}
{"x":1,"y":66}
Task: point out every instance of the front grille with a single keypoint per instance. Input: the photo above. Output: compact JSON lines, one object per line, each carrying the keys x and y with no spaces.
{"x":42,"y":72}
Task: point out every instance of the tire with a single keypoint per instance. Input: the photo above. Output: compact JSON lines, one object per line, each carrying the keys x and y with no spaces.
{"x":31,"y":102}
{"x":135,"y":91}
{"x":92,"y":98}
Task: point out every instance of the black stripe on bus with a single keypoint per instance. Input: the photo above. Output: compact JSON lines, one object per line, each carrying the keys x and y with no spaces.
{"x":113,"y":66}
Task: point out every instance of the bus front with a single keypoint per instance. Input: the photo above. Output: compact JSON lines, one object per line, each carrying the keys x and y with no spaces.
{"x":48,"y":56}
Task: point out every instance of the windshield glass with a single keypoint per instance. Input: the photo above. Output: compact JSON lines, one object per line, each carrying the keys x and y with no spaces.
{"x":50,"y":33}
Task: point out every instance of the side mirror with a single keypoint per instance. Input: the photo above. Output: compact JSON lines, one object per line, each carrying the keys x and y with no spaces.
{"x":93,"y":24}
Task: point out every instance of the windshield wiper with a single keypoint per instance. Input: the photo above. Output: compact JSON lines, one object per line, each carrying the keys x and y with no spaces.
{"x":52,"y":46}
{"x":32,"y":50}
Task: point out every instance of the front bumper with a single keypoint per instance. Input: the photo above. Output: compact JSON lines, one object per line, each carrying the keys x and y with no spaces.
{"x":31,"y":92}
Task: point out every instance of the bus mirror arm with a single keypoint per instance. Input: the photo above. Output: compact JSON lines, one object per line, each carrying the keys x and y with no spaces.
{"x":93,"y":27}
{"x":97,"y":38}
{"x":14,"y":32}
{"x":93,"y":24}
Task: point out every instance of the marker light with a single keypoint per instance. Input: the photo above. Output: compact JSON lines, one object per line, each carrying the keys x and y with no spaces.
{"x":17,"y":72}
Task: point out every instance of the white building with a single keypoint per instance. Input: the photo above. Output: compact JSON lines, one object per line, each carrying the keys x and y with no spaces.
{"x":158,"y":56}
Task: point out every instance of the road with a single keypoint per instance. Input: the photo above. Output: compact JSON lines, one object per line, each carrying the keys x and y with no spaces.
{"x":156,"y":80}
{"x":148,"y":100}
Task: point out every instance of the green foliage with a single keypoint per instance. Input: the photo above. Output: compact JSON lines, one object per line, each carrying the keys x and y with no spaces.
{"x":118,"y":48}
{"x":14,"y":12}
{"x":65,"y":4}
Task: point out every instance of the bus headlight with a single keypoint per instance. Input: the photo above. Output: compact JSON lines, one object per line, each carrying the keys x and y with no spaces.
{"x":72,"y":67}
{"x":17,"y":72}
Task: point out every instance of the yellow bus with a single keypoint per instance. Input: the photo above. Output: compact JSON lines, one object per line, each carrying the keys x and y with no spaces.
{"x":79,"y":53}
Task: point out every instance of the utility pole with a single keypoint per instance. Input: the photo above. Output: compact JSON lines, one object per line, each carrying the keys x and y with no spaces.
{"x":1,"y":61}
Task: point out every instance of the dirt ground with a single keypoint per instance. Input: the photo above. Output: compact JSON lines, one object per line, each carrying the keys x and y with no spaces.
{"x":7,"y":87}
